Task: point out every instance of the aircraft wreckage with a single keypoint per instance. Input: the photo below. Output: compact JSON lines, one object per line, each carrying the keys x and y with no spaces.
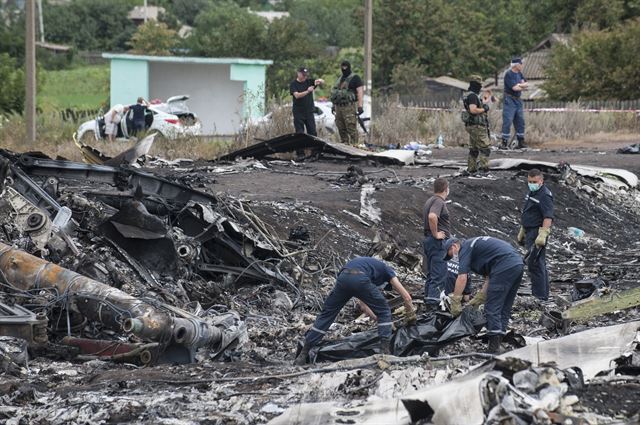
{"x":130,"y":296}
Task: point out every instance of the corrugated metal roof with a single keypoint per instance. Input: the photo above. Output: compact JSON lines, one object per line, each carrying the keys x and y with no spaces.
{"x":535,"y":63}
{"x":552,"y":40}
{"x":452,"y":82}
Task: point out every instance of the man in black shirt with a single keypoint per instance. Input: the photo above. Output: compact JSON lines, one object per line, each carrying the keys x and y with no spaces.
{"x":303,"y":107}
{"x":347,"y":97}
{"x":139,"y":111}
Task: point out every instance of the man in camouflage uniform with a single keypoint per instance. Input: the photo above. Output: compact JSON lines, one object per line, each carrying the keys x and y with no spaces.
{"x":347,"y":97}
{"x":477,"y":125}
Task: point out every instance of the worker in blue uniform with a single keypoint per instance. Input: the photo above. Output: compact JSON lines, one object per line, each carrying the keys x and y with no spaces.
{"x":537,"y":218}
{"x":362,"y":278}
{"x":501,"y":266}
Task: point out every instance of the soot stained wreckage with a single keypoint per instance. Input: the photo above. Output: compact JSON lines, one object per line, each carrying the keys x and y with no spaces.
{"x":129,"y":296}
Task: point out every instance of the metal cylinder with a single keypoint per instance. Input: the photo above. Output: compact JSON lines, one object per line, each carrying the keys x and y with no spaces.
{"x":107,"y":305}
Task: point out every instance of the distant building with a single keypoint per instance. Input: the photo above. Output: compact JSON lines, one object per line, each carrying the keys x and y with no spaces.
{"x":138,"y":13}
{"x":52,"y":47}
{"x":223,"y":91}
{"x":270,"y":16}
{"x":444,"y":89}
{"x":535,"y":63}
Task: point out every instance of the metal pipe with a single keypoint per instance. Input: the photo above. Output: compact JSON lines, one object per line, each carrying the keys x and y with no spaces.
{"x":107,"y":305}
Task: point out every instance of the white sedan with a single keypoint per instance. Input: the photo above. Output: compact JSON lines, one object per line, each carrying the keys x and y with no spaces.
{"x":325,"y":119}
{"x":171,"y":119}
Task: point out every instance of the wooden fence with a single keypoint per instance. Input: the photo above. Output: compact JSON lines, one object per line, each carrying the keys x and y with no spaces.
{"x":534,"y":105}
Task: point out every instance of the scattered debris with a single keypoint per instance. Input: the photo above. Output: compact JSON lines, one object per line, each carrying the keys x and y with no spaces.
{"x":237,"y":252}
{"x":300,"y":141}
{"x":633,"y":149}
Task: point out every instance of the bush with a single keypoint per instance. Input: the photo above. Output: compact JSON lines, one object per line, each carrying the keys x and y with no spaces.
{"x":12,"y":94}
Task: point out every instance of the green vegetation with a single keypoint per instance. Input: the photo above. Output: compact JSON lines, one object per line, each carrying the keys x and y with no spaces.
{"x":153,"y":38}
{"x":79,"y":88}
{"x":12,"y":93}
{"x":412,"y":39}
{"x":598,"y":64}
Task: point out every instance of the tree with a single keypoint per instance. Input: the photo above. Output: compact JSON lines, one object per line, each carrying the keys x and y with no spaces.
{"x":187,"y":10}
{"x":227,"y":30}
{"x":153,"y":38}
{"x":90,"y":24}
{"x":597,"y":65}
{"x":12,"y":93}
{"x":332,"y":22}
{"x":444,"y":37}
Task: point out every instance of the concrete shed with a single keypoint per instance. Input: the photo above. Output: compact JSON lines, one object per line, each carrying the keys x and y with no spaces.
{"x":223,"y":91}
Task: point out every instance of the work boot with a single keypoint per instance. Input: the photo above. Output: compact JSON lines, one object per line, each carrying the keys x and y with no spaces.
{"x":303,"y":355}
{"x":494,"y":344}
{"x":504,"y":145}
{"x":522,"y":144}
{"x":385,"y":346}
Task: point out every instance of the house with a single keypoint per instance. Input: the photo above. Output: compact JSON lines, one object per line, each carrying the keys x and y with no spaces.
{"x":535,"y":62}
{"x":223,"y":91}
{"x":445,"y":89}
{"x":139,"y":13}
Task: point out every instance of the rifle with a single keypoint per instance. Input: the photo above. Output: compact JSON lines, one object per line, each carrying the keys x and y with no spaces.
{"x":361,"y":121}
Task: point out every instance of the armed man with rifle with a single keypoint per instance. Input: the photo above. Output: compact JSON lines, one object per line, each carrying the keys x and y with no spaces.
{"x":347,"y":97}
{"x":476,"y":123}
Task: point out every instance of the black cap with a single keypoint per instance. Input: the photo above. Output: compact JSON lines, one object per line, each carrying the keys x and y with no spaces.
{"x":448,"y":244}
{"x":345,"y":63}
{"x":303,"y":70}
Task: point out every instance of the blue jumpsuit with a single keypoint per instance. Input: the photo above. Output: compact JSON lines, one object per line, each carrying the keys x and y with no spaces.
{"x":512,"y":109}
{"x":497,"y":259}
{"x":538,"y":205}
{"x":363,"y":278}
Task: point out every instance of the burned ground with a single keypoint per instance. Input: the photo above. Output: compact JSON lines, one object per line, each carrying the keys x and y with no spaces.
{"x":314,"y":210}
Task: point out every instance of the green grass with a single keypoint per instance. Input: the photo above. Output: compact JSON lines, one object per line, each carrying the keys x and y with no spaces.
{"x":78,"y":88}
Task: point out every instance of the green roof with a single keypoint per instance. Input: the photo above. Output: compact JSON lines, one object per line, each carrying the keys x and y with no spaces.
{"x":187,"y":59}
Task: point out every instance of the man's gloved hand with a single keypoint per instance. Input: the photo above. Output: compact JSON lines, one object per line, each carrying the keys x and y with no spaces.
{"x":360,"y":110}
{"x":479,"y":299}
{"x":409,"y":314}
{"x":521,"y":236}
{"x":543,"y":234}
{"x":455,"y":304}
{"x":485,"y":107}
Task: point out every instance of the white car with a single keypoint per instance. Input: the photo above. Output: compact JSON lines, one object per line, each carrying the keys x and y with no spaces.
{"x":171,"y":119}
{"x":323,"y":115}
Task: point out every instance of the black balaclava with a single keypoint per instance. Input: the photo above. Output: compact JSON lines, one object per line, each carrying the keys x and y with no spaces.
{"x":346,"y":68}
{"x":475,"y":86}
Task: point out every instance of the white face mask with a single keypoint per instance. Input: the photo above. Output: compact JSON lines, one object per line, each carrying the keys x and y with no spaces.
{"x":447,"y":192}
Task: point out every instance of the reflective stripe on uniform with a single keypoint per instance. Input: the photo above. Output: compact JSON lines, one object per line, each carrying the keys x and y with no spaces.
{"x":385,"y":324}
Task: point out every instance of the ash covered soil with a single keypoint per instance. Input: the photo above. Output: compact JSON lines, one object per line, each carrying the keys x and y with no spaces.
{"x":259,"y":381}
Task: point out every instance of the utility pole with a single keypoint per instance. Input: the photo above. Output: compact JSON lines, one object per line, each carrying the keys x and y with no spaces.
{"x":145,"y":11}
{"x":368,"y":41}
{"x":41,"y":21}
{"x":30,"y":72}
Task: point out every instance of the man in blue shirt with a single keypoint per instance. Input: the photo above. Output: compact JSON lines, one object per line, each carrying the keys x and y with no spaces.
{"x":513,"y":110}
{"x":362,"y":278}
{"x":537,"y":217}
{"x":138,"y":118}
{"x":502,"y":268}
